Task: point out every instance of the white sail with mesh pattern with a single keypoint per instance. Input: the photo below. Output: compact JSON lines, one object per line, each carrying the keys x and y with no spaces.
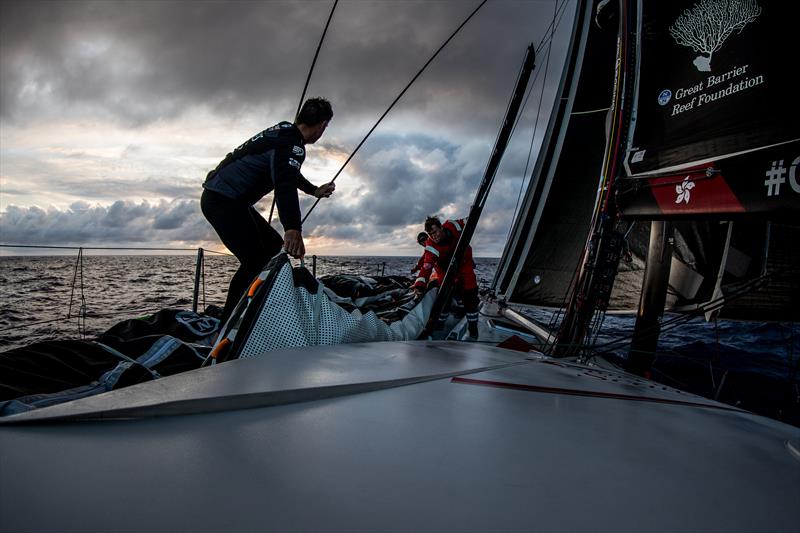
{"x":298,"y":312}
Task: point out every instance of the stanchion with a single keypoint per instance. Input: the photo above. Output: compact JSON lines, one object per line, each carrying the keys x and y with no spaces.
{"x":197,"y":271}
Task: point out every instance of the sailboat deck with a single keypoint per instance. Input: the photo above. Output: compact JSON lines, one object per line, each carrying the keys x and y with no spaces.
{"x":401,"y":436}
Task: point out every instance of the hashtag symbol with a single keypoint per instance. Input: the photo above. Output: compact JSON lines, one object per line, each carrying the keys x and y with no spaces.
{"x":775,"y":177}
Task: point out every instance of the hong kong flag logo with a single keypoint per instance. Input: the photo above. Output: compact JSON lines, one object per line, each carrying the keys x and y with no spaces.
{"x":683,"y":190}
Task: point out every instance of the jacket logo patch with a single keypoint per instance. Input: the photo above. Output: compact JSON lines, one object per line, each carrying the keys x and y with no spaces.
{"x":298,"y":150}
{"x":294,"y":163}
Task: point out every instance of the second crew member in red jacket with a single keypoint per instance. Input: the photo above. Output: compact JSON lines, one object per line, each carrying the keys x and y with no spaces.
{"x":439,"y":248}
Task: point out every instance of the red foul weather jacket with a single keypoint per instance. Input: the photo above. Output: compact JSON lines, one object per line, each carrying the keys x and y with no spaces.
{"x":437,"y":256}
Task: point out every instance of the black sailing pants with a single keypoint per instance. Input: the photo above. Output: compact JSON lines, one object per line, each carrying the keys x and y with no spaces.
{"x":246,"y":234}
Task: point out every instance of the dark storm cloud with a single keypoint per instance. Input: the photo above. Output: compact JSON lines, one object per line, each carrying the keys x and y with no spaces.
{"x":144,"y":61}
{"x":176,"y":216}
{"x":47,"y":178}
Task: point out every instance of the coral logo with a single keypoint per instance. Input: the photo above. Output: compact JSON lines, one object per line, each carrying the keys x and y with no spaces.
{"x":664,"y":97}
{"x":705,"y":27}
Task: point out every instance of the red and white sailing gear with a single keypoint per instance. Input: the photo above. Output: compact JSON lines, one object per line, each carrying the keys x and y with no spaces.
{"x":434,"y":262}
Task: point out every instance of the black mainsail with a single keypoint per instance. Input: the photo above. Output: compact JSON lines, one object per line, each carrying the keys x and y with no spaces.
{"x":547,"y":240}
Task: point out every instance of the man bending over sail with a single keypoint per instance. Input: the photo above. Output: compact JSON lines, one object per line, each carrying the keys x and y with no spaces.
{"x":268,"y":161}
{"x":439,"y":248}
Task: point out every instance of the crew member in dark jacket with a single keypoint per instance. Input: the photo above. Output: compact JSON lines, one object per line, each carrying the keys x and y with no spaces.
{"x":270,"y":160}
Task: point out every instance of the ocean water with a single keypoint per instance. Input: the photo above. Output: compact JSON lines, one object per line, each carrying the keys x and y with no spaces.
{"x":41,"y":296}
{"x":752,"y":365}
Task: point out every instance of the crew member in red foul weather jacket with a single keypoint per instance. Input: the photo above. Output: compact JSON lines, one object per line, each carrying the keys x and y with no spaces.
{"x":439,"y":248}
{"x":422,"y":238}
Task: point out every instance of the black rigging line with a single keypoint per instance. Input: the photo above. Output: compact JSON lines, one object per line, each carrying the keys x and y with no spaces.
{"x":316,"y":54}
{"x":305,"y":87}
{"x":544,"y":42}
{"x":551,"y":29}
{"x":538,"y":109}
{"x":417,"y":75}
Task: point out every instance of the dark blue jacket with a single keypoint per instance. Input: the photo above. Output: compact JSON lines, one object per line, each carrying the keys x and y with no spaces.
{"x":270,"y":160}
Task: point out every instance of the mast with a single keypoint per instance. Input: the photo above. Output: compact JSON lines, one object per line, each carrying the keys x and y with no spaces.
{"x":598,"y":270}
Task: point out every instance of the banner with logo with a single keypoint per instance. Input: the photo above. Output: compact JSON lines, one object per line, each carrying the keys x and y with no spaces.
{"x":716,"y":78}
{"x":717,"y":117}
{"x":765,"y":181}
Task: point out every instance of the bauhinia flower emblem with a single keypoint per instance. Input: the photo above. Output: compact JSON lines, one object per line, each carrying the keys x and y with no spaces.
{"x":683,"y":190}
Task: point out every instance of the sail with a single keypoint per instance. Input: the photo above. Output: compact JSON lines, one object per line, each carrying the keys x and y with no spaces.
{"x":287,"y":307}
{"x":548,"y":237}
{"x":714,"y":148}
{"x":712,"y":142}
{"x":715,"y":129}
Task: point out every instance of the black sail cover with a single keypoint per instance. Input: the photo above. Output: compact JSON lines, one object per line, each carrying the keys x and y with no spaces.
{"x":717,"y":123}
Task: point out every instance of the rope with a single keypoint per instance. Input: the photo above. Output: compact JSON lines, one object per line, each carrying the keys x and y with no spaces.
{"x":573,"y":317}
{"x":305,"y":87}
{"x":551,"y":29}
{"x":316,"y":54}
{"x":417,"y":75}
{"x":553,"y":25}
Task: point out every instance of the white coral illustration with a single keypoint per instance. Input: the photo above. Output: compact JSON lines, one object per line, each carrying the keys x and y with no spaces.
{"x":683,"y":190}
{"x":706,"y":26}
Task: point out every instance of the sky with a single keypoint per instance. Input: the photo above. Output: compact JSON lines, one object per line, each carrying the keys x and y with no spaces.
{"x":113,"y":112}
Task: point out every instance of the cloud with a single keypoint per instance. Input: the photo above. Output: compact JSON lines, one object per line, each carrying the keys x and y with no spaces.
{"x":126,"y":105}
{"x":145,"y":61}
{"x":120,"y":224}
{"x":140,"y":62}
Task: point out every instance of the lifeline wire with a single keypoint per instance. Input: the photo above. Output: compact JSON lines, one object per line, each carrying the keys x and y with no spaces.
{"x":46,"y":247}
